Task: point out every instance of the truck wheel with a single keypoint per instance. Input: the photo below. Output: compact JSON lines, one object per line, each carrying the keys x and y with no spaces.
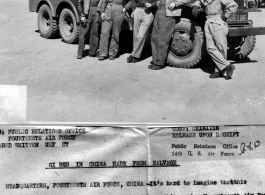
{"x":240,"y":47}
{"x":48,"y":27}
{"x":188,"y":46}
{"x":69,"y":29}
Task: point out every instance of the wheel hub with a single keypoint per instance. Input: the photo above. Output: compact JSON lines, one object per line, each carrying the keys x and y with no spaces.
{"x":45,"y":21}
{"x":68,"y":25}
{"x":181,"y":43}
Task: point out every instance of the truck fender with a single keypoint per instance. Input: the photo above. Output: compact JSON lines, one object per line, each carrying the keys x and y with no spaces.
{"x":49,"y":4}
{"x":72,"y":7}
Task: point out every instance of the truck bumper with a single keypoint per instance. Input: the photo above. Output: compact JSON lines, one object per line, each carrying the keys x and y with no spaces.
{"x":245,"y":31}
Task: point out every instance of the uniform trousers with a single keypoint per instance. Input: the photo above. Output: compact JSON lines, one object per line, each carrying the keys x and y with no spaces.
{"x":163,"y":29}
{"x":143,"y":19}
{"x":216,"y":31}
{"x":113,"y":21}
{"x":90,"y":28}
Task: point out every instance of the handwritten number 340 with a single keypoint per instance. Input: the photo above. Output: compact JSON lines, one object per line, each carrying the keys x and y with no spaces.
{"x":244,"y":147}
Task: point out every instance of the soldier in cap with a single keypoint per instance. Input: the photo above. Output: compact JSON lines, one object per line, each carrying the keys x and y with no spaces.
{"x":216,"y":30}
{"x":112,"y":15}
{"x":89,"y":26}
{"x":163,"y":29}
{"x":143,"y":16}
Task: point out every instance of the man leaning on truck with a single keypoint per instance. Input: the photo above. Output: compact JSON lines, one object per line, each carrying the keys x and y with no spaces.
{"x":216,"y":30}
{"x":89,"y":26}
{"x":163,"y":29}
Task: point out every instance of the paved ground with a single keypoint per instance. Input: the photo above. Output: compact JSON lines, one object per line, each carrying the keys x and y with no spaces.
{"x":63,"y":89}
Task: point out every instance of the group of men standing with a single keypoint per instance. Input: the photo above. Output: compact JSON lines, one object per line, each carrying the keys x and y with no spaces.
{"x":158,"y":12}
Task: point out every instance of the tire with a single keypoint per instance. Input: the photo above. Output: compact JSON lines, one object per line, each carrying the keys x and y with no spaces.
{"x":48,"y":27}
{"x":69,"y":29}
{"x":240,"y":47}
{"x":188,"y":46}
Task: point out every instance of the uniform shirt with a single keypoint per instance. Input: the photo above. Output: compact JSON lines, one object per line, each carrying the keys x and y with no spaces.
{"x":178,"y":3}
{"x":217,"y":7}
{"x":177,"y":9}
{"x":139,"y":3}
{"x":103,"y":4}
{"x":84,"y":6}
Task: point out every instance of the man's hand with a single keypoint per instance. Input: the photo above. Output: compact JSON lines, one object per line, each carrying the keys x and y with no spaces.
{"x":158,"y":3}
{"x":124,"y":10}
{"x":195,"y":11}
{"x":224,"y":18}
{"x":132,"y":15}
{"x":83,"y":19}
{"x":147,"y":5}
{"x":171,"y":6}
{"x":103,"y":16}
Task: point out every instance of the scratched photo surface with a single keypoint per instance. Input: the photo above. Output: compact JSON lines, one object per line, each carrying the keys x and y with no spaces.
{"x":61,"y":88}
{"x":215,"y":160}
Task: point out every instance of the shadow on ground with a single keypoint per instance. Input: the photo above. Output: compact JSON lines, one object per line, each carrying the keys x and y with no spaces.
{"x":207,"y":65}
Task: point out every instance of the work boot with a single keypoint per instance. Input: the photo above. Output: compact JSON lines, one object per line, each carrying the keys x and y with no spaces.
{"x":156,"y":67}
{"x":101,"y":58}
{"x":216,"y":75}
{"x":111,"y":57}
{"x":92,"y":55}
{"x":133,"y":60}
{"x":130,"y":57}
{"x":229,"y":71}
{"x":79,"y":56}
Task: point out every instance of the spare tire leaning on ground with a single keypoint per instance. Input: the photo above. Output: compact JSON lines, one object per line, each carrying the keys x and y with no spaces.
{"x":48,"y":26}
{"x":187,"y":48}
{"x":69,"y":29}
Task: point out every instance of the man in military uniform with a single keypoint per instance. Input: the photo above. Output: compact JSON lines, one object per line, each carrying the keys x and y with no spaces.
{"x":89,"y":26}
{"x":163,"y":29}
{"x":216,"y":30}
{"x":112,"y":15}
{"x":143,"y":16}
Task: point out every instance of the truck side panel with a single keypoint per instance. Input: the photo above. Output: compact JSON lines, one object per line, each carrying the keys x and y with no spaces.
{"x":68,"y":3}
{"x":34,"y":5}
{"x":55,"y":5}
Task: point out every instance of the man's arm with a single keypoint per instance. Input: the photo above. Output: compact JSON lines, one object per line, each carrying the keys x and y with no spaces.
{"x":230,"y":7}
{"x":130,"y":5}
{"x":177,"y":3}
{"x":195,"y":8}
{"x":80,"y":7}
{"x":181,"y":2}
{"x":197,"y":3}
{"x":154,"y":3}
{"x":102,"y":6}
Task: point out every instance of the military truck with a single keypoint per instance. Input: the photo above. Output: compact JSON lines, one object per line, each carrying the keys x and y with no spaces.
{"x":187,"y":47}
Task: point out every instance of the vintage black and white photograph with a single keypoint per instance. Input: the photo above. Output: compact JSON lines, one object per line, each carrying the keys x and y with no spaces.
{"x":132,"y":61}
